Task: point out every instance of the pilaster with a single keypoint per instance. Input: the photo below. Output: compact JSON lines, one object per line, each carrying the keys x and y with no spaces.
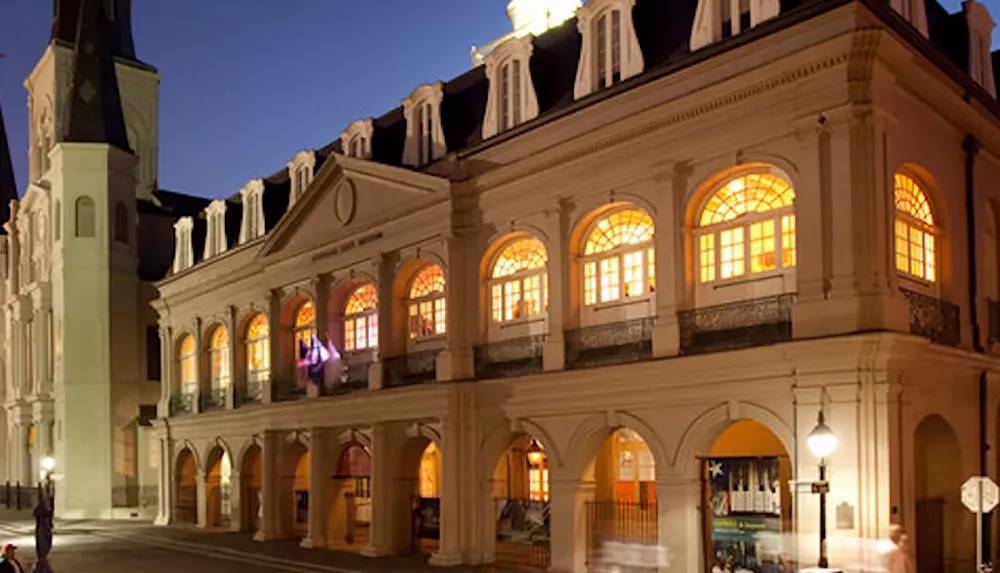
{"x":456,"y":362}
{"x":386,"y":272}
{"x":237,"y":375}
{"x":202,"y":509}
{"x":319,"y":487}
{"x":568,"y":523}
{"x":166,"y":483}
{"x":557,"y":228}
{"x":679,"y":524}
{"x":671,"y":183}
{"x":274,"y":345}
{"x":199,"y":361}
{"x":270,"y":511}
{"x":380,"y":538}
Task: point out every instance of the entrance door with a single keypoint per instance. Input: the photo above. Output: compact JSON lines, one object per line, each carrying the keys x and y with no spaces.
{"x":930,"y":535}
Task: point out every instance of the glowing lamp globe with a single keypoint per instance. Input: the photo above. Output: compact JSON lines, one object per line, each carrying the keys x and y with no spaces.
{"x":822,"y":441}
{"x":536,"y":456}
{"x":47,"y":464}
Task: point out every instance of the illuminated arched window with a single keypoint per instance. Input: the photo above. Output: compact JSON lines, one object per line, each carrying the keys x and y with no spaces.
{"x":361,"y":319}
{"x":305,"y":327}
{"x":518,"y":286}
{"x":258,"y":349}
{"x":747,"y":227}
{"x":188,"y":362}
{"x":618,"y":257}
{"x":915,"y":247}
{"x":430,"y":472}
{"x":427,"y":304}
{"x":218,"y":360}
{"x":636,"y":475}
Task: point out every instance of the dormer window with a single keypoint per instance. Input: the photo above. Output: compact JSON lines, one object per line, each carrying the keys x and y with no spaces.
{"x":252,"y":225}
{"x":980,"y":31}
{"x":356,"y":140}
{"x":717,"y":20}
{"x":183,"y":252}
{"x":300,"y":172}
{"x":424,"y":135}
{"x":912,"y":11}
{"x":215,"y":239}
{"x":611,"y":50}
{"x":512,"y":99}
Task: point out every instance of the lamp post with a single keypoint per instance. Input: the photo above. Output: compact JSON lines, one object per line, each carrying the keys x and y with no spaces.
{"x":822,"y":442}
{"x":47,"y":465}
{"x":535,"y":454}
{"x":43,"y":517}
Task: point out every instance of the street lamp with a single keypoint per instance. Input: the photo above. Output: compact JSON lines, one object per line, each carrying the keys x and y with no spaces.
{"x":822,"y":441}
{"x":536,"y":455}
{"x":47,"y":465}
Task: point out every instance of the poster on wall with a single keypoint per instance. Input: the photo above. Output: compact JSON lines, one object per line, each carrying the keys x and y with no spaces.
{"x":522,"y":522}
{"x":744,"y":517}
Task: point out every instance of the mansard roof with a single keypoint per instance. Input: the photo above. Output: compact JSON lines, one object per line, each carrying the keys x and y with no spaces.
{"x":8,"y":188}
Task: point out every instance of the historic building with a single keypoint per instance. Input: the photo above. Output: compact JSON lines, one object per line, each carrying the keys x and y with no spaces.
{"x":582,"y":306}
{"x":82,"y":249}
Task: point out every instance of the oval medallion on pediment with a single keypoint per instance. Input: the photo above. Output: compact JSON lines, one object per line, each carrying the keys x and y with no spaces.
{"x":345,"y":202}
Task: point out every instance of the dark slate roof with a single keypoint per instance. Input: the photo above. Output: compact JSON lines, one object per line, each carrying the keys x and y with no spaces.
{"x":156,"y":230}
{"x":65,"y":16}
{"x":93,"y":106}
{"x":8,"y":188}
{"x":663,"y":29}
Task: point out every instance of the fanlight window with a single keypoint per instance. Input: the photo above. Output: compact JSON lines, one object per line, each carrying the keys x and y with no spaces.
{"x":916,"y":251}
{"x":189,"y":365}
{"x":361,"y":319}
{"x":305,"y":326}
{"x":747,"y":227}
{"x":427,"y":303}
{"x":618,"y":258}
{"x":518,"y":287}
{"x":258,"y":351}
{"x":219,"y":358}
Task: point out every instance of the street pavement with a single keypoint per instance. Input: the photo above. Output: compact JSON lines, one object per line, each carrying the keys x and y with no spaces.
{"x":112,"y":547}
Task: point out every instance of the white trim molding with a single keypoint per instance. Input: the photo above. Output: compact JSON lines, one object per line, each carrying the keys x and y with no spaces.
{"x":606,"y":25}
{"x":980,"y":24}
{"x":215,"y":235}
{"x":714,"y":21}
{"x":183,"y":250}
{"x":300,"y":171}
{"x":356,"y":140}
{"x":252,"y":226}
{"x":424,"y":134}
{"x":512,"y":99}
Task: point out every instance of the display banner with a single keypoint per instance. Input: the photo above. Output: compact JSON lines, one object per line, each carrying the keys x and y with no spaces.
{"x":522,"y":522}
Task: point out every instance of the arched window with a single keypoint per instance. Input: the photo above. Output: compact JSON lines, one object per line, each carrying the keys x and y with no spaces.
{"x":427,"y":303}
{"x":305,"y":326}
{"x":430,"y":472}
{"x":218,"y":360}
{"x":188,"y":360}
{"x":916,"y":251}
{"x":747,"y":227}
{"x":618,"y":257}
{"x":258,"y":349}
{"x":121,"y":223}
{"x":85,"y":224}
{"x":518,"y":287}
{"x":361,"y":319}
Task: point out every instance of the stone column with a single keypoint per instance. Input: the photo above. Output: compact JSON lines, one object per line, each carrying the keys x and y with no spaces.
{"x":386,"y":272}
{"x":199,"y":361}
{"x":270,"y":510}
{"x":24,"y":468}
{"x":568,"y":523}
{"x":320,"y":484}
{"x":274,"y":345}
{"x":167,"y":383}
{"x":449,"y":551}
{"x":166,"y":482}
{"x":236,"y":500}
{"x":321,"y":286}
{"x":671,"y":184}
{"x":202,"y":493}
{"x":679,"y":523}
{"x":236,"y":375}
{"x":557,"y":227}
{"x":455,"y":362}
{"x":380,"y":537}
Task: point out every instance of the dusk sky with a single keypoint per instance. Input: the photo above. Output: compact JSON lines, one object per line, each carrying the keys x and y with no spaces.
{"x":247,"y":83}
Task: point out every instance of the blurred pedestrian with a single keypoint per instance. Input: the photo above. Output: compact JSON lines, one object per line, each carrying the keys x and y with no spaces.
{"x":8,"y":562}
{"x":897,"y":558}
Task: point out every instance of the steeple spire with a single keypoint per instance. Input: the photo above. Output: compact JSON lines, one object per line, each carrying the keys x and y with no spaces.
{"x":93,"y":108}
{"x":119,"y":12}
{"x":8,"y":189}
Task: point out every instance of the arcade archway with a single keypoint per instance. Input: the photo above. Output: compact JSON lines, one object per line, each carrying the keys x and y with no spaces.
{"x":520,"y":532}
{"x":293,"y":491}
{"x":186,"y":506}
{"x":349,"y":519}
{"x":218,"y":488}
{"x":416,"y":498}
{"x":939,"y":511}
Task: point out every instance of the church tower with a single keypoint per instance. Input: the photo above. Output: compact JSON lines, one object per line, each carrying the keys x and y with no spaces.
{"x":91,"y":173}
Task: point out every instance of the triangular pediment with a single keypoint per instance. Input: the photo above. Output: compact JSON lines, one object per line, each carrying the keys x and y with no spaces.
{"x":347,"y":198}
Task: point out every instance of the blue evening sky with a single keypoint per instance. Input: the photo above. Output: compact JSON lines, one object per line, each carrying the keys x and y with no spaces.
{"x":247,"y":83}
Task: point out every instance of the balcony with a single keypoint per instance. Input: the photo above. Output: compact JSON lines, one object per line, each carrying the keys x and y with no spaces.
{"x":509,"y":358}
{"x":935,"y":319}
{"x":738,"y":325}
{"x":410,"y":369}
{"x":288,"y":390}
{"x":214,"y":399}
{"x":609,"y":344}
{"x":253,"y":393}
{"x":353,"y":377}
{"x":182,"y":403}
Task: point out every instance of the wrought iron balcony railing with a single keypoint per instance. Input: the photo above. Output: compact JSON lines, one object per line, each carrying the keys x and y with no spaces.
{"x":935,"y":319}
{"x":608,"y":344}
{"x":410,"y":369}
{"x":214,"y":399}
{"x":733,"y":326}
{"x":288,"y":390}
{"x":509,"y":358}
{"x":182,"y":403}
{"x":352,"y":379}
{"x":253,"y":392}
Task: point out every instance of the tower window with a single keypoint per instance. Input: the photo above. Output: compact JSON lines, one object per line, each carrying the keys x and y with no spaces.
{"x":85,"y":217}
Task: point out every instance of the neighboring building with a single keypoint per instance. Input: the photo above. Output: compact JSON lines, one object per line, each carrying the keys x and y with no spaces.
{"x":457,"y":330}
{"x":82,"y":248}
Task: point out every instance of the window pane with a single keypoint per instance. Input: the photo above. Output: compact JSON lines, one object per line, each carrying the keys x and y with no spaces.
{"x":512,"y":300}
{"x":916,"y":253}
{"x":306,"y":315}
{"x":754,"y":193}
{"x":602,"y":52}
{"x":621,"y":228}
{"x":616,"y":46}
{"x":788,"y":256}
{"x":504,"y":97}
{"x":706,"y":249}
{"x":364,"y":298}
{"x":911,"y":199}
{"x":731,"y":255}
{"x":532,"y":296}
{"x":349,"y":335}
{"x":609,"y":279}
{"x":930,"y":260}
{"x":651,"y":269}
{"x":762,"y":246}
{"x":902,"y":246}
{"x":590,"y":283}
{"x":633,"y":273}
{"x":440,"y":317}
{"x":520,"y":255}
{"x":516,"y":91}
{"x":360,"y":333}
{"x":426,"y":318}
{"x":373,"y":331}
{"x":427,"y":282}
{"x":497,"y":303}
{"x":414,"y":320}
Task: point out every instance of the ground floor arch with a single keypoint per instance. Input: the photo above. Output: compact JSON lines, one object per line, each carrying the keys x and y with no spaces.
{"x":186,"y":504}
{"x":415,"y":496}
{"x":940,"y":516}
{"x":218,"y":487}
{"x":251,"y":479}
{"x":293,"y":491}
{"x":349,"y":517}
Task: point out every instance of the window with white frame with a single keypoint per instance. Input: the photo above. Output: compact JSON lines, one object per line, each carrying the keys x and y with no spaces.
{"x":183,"y":251}
{"x":187,"y":358}
{"x":915,"y":231}
{"x":252,"y":225}
{"x":518,"y":281}
{"x":356,"y":141}
{"x":304,"y":328}
{"x":611,"y":51}
{"x":716,"y":20}
{"x":361,"y":319}
{"x":218,"y":359}
{"x":215,"y":239}
{"x":512,"y":99}
{"x":747,"y":228}
{"x":427,"y":303}
{"x":258,"y":349}
{"x":300,"y":172}
{"x":618,"y":259}
{"x":425,"y":137}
